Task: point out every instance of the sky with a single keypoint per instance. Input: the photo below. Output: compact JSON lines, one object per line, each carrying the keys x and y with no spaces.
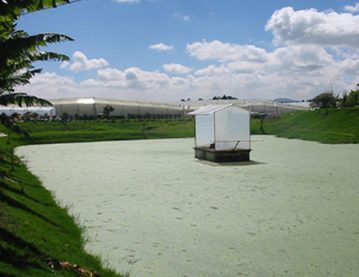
{"x":168,"y":50}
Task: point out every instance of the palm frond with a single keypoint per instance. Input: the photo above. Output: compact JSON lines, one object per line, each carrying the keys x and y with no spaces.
{"x":13,"y":46}
{"x":17,"y":7}
{"x":48,"y":56}
{"x":27,"y":59}
{"x":23,"y":78}
{"x":21,"y":99}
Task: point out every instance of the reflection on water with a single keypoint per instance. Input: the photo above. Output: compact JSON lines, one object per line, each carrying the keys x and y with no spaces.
{"x":150,"y":207}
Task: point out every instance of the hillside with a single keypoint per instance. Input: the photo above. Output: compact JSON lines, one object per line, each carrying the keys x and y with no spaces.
{"x":325,"y":126}
{"x":34,"y":230}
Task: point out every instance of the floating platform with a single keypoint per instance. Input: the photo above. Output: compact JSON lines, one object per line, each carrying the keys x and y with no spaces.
{"x":210,"y":154}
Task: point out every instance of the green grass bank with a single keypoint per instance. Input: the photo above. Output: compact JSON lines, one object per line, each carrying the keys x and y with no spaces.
{"x":35,"y":229}
{"x":100,"y":130}
{"x":332,"y":126}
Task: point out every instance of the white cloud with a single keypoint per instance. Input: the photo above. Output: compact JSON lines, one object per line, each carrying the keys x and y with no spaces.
{"x":177,"y":68}
{"x":52,"y":78}
{"x":161,"y":47}
{"x":222,"y":52}
{"x":300,"y":68}
{"x":51,"y":86}
{"x":296,"y":71}
{"x":90,"y":83}
{"x":212,"y":70}
{"x":352,"y":9}
{"x":349,"y":67}
{"x":300,"y":58}
{"x":82,"y":63}
{"x":303,"y":59}
{"x":131,"y":77}
{"x":313,"y":27}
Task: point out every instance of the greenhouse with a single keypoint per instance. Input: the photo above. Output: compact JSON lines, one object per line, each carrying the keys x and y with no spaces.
{"x":95,"y":106}
{"x":255,"y":106}
{"x":222,"y":133}
{"x":41,"y":111}
{"x":92,"y":106}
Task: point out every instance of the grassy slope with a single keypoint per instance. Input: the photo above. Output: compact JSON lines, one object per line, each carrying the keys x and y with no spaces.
{"x":332,"y":126}
{"x":33,"y":228}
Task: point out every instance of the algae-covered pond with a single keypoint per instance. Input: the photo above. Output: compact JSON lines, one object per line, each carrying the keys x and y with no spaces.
{"x":151,"y":208}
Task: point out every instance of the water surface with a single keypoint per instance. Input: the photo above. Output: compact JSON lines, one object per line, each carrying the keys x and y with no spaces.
{"x":151,"y":208}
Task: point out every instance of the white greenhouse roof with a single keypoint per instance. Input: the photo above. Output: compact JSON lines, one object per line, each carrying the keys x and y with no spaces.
{"x":209,"y":109}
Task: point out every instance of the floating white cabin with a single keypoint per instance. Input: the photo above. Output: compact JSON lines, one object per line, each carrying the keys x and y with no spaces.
{"x":222,"y":133}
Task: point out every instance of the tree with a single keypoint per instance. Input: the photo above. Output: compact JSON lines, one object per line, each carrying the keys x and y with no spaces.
{"x":19,"y":51}
{"x":65,"y":117}
{"x":350,"y":100}
{"x":324,"y":100}
{"x":11,"y":10}
{"x":107,"y":110}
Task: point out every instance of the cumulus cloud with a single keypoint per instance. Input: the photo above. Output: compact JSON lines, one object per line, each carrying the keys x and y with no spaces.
{"x":307,"y":60}
{"x":51,"y":86}
{"x":81,"y":63}
{"x":161,"y":47}
{"x":52,"y":78}
{"x":222,"y":52}
{"x":176,"y":68}
{"x":352,"y":9}
{"x":212,"y":70}
{"x":298,"y":71}
{"x":300,"y":58}
{"x":292,"y":70}
{"x":313,"y":27}
{"x":131,"y":77}
{"x":349,"y":67}
{"x":295,"y":58}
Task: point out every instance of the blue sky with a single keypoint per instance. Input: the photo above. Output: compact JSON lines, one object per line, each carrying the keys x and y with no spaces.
{"x":167,"y":50}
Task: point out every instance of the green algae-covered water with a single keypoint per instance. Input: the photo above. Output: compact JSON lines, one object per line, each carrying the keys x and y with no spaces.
{"x":152,"y":209}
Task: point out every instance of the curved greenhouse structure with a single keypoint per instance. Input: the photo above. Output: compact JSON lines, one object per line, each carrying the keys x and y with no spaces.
{"x":95,"y":106}
{"x":258,"y":107}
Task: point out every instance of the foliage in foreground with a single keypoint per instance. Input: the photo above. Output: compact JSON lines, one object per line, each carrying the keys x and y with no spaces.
{"x":19,"y":51}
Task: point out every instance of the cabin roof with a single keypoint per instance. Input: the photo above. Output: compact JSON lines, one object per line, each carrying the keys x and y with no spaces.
{"x":209,"y":109}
